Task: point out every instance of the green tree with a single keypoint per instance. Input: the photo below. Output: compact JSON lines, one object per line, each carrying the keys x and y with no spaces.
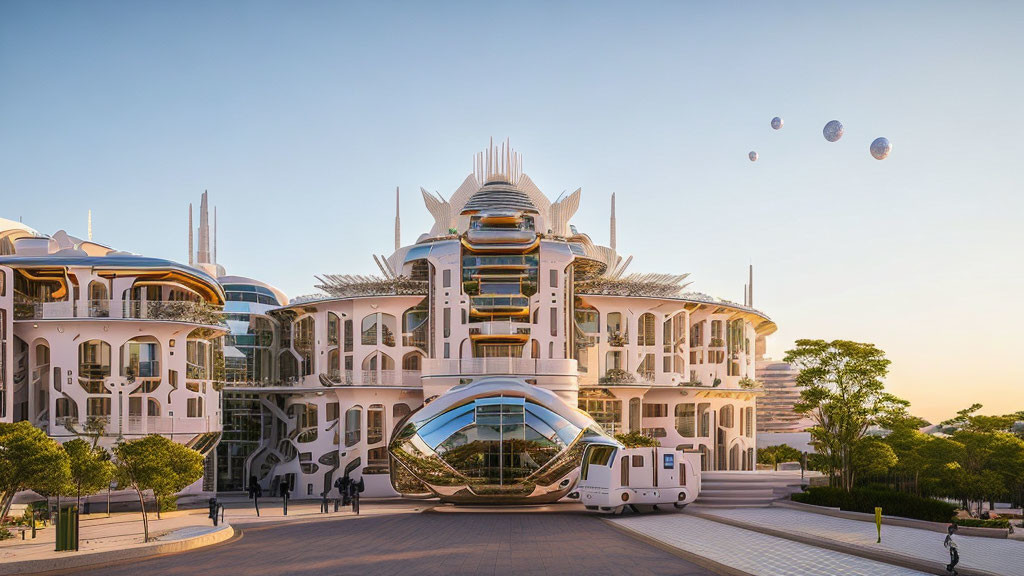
{"x":842,"y":392}
{"x":775,"y":455}
{"x":29,"y":460}
{"x":155,"y":463}
{"x":872,"y":457}
{"x":91,"y":468}
{"x":637,"y":439}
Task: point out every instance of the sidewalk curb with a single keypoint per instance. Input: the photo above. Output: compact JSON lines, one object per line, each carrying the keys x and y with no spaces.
{"x":82,"y":560}
{"x":716,"y":567}
{"x":886,"y":557}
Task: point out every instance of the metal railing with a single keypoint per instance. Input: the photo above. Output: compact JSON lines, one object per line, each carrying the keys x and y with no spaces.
{"x":499,"y":328}
{"x":468,"y":366}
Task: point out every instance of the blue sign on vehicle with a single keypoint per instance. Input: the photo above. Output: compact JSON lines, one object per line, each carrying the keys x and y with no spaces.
{"x":670,"y":461}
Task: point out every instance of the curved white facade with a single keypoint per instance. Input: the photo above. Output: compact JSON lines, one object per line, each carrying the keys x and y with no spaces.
{"x":502,"y":285}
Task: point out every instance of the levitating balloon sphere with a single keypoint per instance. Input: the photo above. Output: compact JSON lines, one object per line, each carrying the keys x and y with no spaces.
{"x":776,"y":123}
{"x":752,"y":156}
{"x":880,"y":148}
{"x":833,"y":130}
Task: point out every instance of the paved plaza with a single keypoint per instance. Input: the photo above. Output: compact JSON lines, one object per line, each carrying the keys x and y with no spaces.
{"x":995,"y":555}
{"x":422,"y":545}
{"x":751,"y":552}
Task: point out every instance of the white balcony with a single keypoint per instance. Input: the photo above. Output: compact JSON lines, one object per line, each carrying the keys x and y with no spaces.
{"x":511,"y":366}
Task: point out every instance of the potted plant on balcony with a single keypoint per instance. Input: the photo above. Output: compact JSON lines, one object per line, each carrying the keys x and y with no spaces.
{"x":617,"y":376}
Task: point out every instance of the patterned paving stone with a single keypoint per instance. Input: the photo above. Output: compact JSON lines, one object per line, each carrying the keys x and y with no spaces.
{"x":752,"y":552}
{"x":990,"y":554}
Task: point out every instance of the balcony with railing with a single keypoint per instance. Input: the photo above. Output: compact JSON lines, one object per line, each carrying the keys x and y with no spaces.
{"x":500,"y":304}
{"x":178,"y":311}
{"x":518,"y":330}
{"x":512,"y":366}
{"x":399,"y":378}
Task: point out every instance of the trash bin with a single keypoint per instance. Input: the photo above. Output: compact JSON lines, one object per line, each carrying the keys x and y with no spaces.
{"x":67,"y":529}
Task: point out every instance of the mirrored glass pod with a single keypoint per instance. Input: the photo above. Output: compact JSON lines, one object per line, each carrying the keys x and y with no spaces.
{"x":494,"y":440}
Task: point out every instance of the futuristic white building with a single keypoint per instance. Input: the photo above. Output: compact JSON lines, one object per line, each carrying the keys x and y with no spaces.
{"x":456,"y":372}
{"x":100,"y":343}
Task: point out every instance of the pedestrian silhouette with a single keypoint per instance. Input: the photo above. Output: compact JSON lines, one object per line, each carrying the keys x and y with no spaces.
{"x":954,"y":554}
{"x":255,"y":491}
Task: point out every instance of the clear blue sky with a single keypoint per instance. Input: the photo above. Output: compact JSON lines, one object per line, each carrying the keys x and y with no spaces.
{"x":300,"y":118}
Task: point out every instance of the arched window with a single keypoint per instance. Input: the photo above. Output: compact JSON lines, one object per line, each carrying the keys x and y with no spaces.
{"x":634,"y":415}
{"x":646,"y":329}
{"x":725,"y":416}
{"x":412,"y":361}
{"x":415,"y":324}
{"x":93,"y":365}
{"x":353,"y":426}
{"x":389,"y":327}
{"x":705,"y":457}
{"x":140,"y":358}
{"x":333,"y":329}
{"x":375,"y":424}
{"x":334,"y":363}
{"x":686,"y":420}
{"x":369,"y":330}
{"x":399,"y":411}
{"x":618,"y":333}
{"x":152,"y":407}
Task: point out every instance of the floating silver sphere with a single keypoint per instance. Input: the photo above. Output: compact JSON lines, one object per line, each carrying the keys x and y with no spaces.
{"x":880,"y":148}
{"x":752,"y":156}
{"x":776,"y":123}
{"x":833,"y":130}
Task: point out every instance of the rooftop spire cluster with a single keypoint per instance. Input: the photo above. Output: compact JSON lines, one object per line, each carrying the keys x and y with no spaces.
{"x":498,"y":164}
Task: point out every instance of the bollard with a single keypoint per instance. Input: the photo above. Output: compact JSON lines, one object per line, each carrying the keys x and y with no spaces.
{"x":67,"y":529}
{"x":213,"y":510}
{"x":34,"y":512}
{"x":878,"y":523}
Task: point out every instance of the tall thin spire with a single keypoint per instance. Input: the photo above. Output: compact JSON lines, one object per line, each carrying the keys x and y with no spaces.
{"x":750,"y":288}
{"x":398,"y":223}
{"x":612,"y":224}
{"x":191,"y":252}
{"x":203,"y":255}
{"x":89,"y":232}
{"x":214,"y":234}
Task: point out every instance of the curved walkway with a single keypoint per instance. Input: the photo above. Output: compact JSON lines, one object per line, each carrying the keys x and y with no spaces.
{"x":751,"y":552}
{"x":993,"y":555}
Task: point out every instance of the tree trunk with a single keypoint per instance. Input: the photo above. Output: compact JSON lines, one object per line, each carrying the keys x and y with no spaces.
{"x":5,"y":504}
{"x":157,"y":498}
{"x":145,"y":519}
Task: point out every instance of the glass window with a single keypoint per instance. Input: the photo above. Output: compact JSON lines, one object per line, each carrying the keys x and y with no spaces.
{"x":446,"y":278}
{"x":333,"y":329}
{"x":369,"y":330}
{"x":447,"y":322}
{"x":554,"y":321}
{"x":93,"y":360}
{"x":686,"y":420}
{"x":645,"y":332}
{"x":655,"y":410}
{"x":353,"y":426}
{"x":634,"y":415}
{"x":375,"y":424}
{"x":348,"y":335}
{"x":554,"y":278}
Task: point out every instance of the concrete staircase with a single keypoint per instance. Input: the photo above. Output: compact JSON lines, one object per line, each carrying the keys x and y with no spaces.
{"x":746,"y":489}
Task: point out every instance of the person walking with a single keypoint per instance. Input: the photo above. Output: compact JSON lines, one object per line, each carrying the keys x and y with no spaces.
{"x":255,"y":491}
{"x":954,"y":554}
{"x":357,"y":488}
{"x":342,"y":484}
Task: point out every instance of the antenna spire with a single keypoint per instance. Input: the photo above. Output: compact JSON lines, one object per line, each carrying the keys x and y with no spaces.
{"x":214,"y":234}
{"x":750,"y":288}
{"x":191,"y":253}
{"x":398,"y":223}
{"x":90,"y":226}
{"x":612,"y":223}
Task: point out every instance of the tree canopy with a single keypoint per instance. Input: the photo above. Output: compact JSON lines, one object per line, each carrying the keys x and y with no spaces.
{"x":842,"y":391}
{"x":91,"y":468}
{"x":29,"y":460}
{"x":637,"y":440}
{"x":156,"y":463}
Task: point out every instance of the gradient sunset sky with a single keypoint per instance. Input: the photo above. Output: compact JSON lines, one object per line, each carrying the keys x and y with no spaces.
{"x":301,"y":118}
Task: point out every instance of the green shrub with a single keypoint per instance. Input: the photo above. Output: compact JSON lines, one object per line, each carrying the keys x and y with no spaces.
{"x":637,"y":440}
{"x":5,"y":534}
{"x":168,"y":503}
{"x":978,"y":523}
{"x":892,"y":503}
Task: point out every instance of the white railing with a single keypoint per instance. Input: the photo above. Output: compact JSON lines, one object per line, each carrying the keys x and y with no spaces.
{"x":468,"y":366}
{"x":181,"y":311}
{"x":499,"y":328}
{"x":374,"y":377}
{"x":167,"y":425}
